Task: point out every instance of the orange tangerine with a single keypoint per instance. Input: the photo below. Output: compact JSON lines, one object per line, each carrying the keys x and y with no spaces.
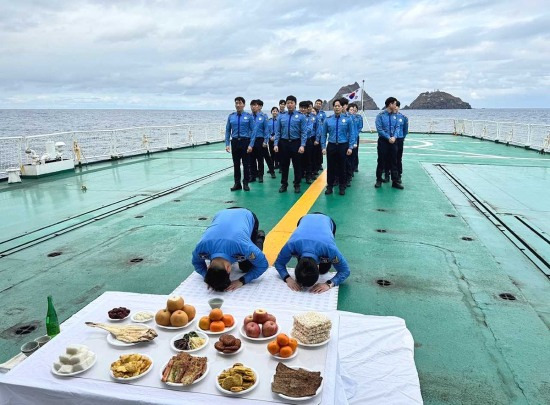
{"x":216,"y":314}
{"x":285,"y":352}
{"x":282,"y":339}
{"x":293,"y":343}
{"x":228,"y":320}
{"x":217,"y":326}
{"x":273,"y":347}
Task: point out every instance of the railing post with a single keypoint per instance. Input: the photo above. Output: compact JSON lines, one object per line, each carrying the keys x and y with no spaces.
{"x":528,"y":135}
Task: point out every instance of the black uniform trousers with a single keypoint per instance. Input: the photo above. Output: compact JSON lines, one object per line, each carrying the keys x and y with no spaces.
{"x":274,"y":156}
{"x":238,"y":152}
{"x":355,"y":155}
{"x":399,"y":142}
{"x":309,"y":162}
{"x":259,"y":153}
{"x":387,"y":158}
{"x":318,"y":157}
{"x":288,"y":150}
{"x":336,"y":163}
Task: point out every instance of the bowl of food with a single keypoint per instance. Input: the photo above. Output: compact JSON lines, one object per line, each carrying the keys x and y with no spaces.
{"x":237,"y":380}
{"x":130,"y":367}
{"x":118,"y":314}
{"x":189,"y":342}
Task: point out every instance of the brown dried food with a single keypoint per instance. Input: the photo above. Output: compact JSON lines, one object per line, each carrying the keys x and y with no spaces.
{"x":227,"y":340}
{"x":230,"y":349}
{"x":219,"y":346}
{"x":228,"y":344}
{"x":295,"y":383}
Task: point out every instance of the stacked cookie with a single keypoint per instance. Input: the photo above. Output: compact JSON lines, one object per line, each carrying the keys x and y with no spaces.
{"x":311,"y":328}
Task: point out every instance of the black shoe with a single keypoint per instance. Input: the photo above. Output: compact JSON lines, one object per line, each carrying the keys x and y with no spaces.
{"x":356,"y":170}
{"x":245,"y":187}
{"x":398,"y":181}
{"x":297,"y":189}
{"x":309,"y":181}
{"x":283,"y":189}
{"x":252,"y":180}
{"x":236,"y":187}
{"x":260,"y":179}
{"x":397,"y":185}
{"x":328,"y":191}
{"x":386,"y":180}
{"x":348,"y":184}
{"x":273,"y":175}
{"x":378,"y":184}
{"x":342,"y":191}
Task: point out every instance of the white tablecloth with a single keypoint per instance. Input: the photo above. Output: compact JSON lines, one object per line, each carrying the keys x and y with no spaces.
{"x":369,"y":360}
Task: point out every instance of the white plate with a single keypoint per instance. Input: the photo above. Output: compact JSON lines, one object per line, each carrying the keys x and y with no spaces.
{"x":181,"y":385}
{"x":300,"y":398}
{"x":135,"y":377}
{"x":179,"y":336}
{"x":234,"y":394}
{"x":117,"y":320}
{"x":230,"y":354}
{"x":54,"y":371}
{"x":258,"y":339}
{"x":313,"y":344}
{"x":227,"y":329}
{"x":177,"y":327}
{"x":137,"y":312}
{"x":285,"y":358}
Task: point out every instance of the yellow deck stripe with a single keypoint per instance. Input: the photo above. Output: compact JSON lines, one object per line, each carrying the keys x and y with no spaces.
{"x":279,"y":235}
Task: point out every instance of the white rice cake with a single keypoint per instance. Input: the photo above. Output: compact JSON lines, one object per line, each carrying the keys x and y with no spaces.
{"x":75,"y":349}
{"x":65,"y":369}
{"x":56,"y":365}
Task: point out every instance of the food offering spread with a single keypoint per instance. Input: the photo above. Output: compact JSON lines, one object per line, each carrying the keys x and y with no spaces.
{"x":131,"y":366}
{"x":176,"y":315}
{"x":128,"y":334}
{"x":283,"y":347}
{"x":190,"y":342}
{"x":184,"y":369}
{"x":261,"y":325}
{"x":75,"y":360}
{"x":118,"y":314}
{"x":143,"y":316}
{"x":311,"y":329}
{"x":237,"y":379}
{"x":296,"y":383}
{"x":228,"y":344}
{"x":217,"y":322}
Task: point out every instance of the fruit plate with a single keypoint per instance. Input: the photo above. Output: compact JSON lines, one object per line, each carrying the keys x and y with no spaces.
{"x":54,"y":371}
{"x":176,"y":327}
{"x":180,"y":336}
{"x":285,"y":358}
{"x":258,"y":339}
{"x":227,"y":329}
{"x":296,"y":399}
{"x":231,"y":354}
{"x":122,"y":379}
{"x":138,"y":312}
{"x":234,"y":394}
{"x":180,"y":384}
{"x":313,"y":344}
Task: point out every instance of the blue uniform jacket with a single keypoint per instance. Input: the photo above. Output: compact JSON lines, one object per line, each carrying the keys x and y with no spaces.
{"x":272,"y":127}
{"x":313,"y":238}
{"x":239,"y":126}
{"x":313,"y":126}
{"x":387,"y":125}
{"x":228,"y":237}
{"x":353,"y":123}
{"x":260,"y":126}
{"x":404,"y":129}
{"x":296,"y":123}
{"x":339,"y":130}
{"x":358,"y":122}
{"x":321,"y":115}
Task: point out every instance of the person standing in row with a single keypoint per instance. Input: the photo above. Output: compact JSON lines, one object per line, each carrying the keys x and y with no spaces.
{"x":239,"y":140}
{"x":400,"y":139}
{"x":261,"y":136}
{"x":349,"y":171}
{"x":339,"y":130}
{"x":290,"y":141}
{"x":318,"y":153}
{"x":312,"y":131}
{"x":387,"y":126}
{"x":358,"y":119}
{"x":282,"y":106}
{"x":272,"y":128}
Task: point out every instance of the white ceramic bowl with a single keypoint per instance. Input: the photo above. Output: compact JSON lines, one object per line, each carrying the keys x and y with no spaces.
{"x":296,"y":399}
{"x":54,"y":371}
{"x":236,"y":394}
{"x":180,"y":336}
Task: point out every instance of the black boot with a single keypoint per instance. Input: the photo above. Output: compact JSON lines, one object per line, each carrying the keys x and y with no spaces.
{"x":342,"y":191}
{"x":297,"y":189}
{"x":261,"y":179}
{"x":283,"y":189}
{"x":378,"y":184}
{"x":395,"y":184}
{"x":245,"y":187}
{"x":236,"y":187}
{"x":328,"y":191}
{"x":273,"y":175}
{"x":308,"y":180}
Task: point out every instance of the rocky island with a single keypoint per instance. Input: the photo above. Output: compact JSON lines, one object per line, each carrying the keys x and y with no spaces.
{"x":437,"y":100}
{"x":368,"y":102}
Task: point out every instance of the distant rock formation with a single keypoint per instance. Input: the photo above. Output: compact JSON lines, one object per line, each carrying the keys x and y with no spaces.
{"x":437,"y":100}
{"x":368,"y":102}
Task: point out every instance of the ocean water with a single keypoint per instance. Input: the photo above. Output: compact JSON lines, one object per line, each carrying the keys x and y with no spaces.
{"x":34,"y":122}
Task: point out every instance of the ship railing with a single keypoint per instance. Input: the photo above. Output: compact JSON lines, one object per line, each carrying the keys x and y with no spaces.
{"x":11,"y":150}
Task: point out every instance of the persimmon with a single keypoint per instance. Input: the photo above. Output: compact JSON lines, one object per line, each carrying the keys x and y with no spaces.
{"x":273,"y":347}
{"x":228,"y":320}
{"x":217,"y":326}
{"x":285,"y":352}
{"x":282,"y":339}
{"x":204,"y":323}
{"x":293,"y":343}
{"x":216,"y":314}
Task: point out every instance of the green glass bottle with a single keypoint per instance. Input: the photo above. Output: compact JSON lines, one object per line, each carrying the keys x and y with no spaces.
{"x":52,"y":324}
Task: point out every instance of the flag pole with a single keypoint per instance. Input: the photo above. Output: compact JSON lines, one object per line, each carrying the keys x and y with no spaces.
{"x":362,"y":90}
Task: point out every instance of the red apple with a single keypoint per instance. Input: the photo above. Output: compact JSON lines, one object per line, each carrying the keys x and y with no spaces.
{"x":248,"y":319}
{"x":269,"y":328}
{"x":252,"y":329}
{"x":271,"y":318}
{"x":260,"y":316}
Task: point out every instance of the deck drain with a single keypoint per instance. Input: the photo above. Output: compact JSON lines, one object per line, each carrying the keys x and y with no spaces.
{"x":136,"y":260}
{"x":229,"y":202}
{"x":54,"y":254}
{"x":467,"y":238}
{"x":25,"y":330}
{"x":383,"y":283}
{"x":381,"y":210}
{"x":507,"y":296}
{"x":138,"y":216}
{"x":381,"y":231}
{"x":202,"y":218}
{"x":177,"y":200}
{"x":450,"y":215}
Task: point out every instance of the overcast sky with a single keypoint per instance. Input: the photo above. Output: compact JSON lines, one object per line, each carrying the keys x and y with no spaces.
{"x":201,"y":54}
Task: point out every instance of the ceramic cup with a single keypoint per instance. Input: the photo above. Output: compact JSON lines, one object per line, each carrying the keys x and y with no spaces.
{"x":28,"y":348}
{"x":215,"y":303}
{"x":42,"y":340}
